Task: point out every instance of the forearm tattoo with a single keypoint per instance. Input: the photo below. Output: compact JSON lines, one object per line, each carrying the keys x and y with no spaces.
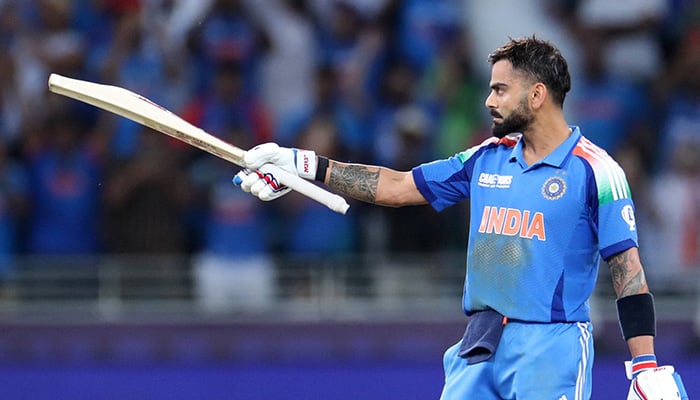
{"x":628,"y":278}
{"x":357,"y":181}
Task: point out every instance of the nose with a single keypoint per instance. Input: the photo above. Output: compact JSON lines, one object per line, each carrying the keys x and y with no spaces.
{"x":489,"y":103}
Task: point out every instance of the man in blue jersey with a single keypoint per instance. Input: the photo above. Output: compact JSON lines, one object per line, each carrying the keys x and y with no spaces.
{"x":546,"y":206}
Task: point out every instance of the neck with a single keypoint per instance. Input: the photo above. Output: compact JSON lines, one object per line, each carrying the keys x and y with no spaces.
{"x":543,"y":136}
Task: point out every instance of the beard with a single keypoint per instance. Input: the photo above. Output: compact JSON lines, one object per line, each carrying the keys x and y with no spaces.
{"x":518,"y":121}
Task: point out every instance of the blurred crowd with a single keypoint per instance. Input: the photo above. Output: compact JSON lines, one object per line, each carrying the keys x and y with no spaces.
{"x":391,"y":82}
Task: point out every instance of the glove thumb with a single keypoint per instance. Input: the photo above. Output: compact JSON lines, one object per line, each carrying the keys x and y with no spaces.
{"x":262,"y":154}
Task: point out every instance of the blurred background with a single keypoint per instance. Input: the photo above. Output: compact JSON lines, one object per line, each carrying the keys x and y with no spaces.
{"x":131,"y":267}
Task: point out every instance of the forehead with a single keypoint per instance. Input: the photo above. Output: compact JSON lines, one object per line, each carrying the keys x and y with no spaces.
{"x":502,"y":71}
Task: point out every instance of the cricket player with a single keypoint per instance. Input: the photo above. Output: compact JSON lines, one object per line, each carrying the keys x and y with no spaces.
{"x":546,"y":206}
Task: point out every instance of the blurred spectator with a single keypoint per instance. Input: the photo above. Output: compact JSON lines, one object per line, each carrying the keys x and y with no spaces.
{"x":99,"y":21}
{"x":492,"y":22}
{"x":233,"y":265}
{"x":131,"y":65}
{"x":47,"y":43}
{"x":450,"y":83}
{"x":631,"y":45}
{"x":226,"y":104}
{"x":167,"y":23}
{"x":349,"y":129}
{"x":14,"y":196}
{"x":11,"y":22}
{"x":54,"y":43}
{"x":145,"y":200}
{"x":355,"y":48}
{"x":65,"y":170}
{"x":315,"y":237}
{"x":678,"y":162}
{"x":676,"y":251}
{"x":681,"y":17}
{"x":425,"y":27}
{"x":287,"y":68}
{"x":678,"y":95}
{"x":228,"y":34}
{"x":368,"y":9}
{"x":339,"y":37}
{"x":608,"y":107}
{"x":331,"y":232}
{"x":412,"y":229}
{"x":13,"y":113}
{"x":13,"y":116}
{"x":39,"y":39}
{"x":164,"y":27}
{"x":400,"y":92}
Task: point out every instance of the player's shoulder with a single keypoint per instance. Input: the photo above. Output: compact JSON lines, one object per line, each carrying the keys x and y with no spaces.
{"x":599,"y":159}
{"x":608,"y":174}
{"x":507,"y":142}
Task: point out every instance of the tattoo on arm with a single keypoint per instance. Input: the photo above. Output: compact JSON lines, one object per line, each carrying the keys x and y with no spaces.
{"x":627,"y":276}
{"x":356,"y":181}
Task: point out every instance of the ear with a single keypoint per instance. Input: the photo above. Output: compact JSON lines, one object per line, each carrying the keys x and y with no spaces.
{"x":538,"y":95}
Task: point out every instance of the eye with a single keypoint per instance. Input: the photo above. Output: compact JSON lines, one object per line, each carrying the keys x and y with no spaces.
{"x":497,"y":89}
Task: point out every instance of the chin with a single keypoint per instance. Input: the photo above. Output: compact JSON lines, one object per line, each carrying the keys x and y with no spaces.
{"x":498,"y":132}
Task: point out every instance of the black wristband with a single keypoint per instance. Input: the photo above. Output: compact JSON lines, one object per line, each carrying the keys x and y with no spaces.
{"x":321,"y":168}
{"x":637,"y":315}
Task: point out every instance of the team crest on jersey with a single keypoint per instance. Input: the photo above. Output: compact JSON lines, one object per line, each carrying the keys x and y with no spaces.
{"x":554,"y":188}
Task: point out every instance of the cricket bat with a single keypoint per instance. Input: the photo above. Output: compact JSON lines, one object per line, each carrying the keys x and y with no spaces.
{"x":137,"y":108}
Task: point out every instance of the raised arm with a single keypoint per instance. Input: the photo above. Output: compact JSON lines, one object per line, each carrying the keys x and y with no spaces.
{"x":373,"y":184}
{"x":368,"y":183}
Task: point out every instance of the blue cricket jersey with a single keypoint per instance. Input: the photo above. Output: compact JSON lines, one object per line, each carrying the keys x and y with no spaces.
{"x":537,"y":232}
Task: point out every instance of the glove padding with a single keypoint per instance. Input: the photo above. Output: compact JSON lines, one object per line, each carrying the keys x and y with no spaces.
{"x":661,"y":383}
{"x":264,"y":185}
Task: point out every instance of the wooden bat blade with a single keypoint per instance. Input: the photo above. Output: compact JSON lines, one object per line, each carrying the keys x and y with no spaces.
{"x":137,"y":108}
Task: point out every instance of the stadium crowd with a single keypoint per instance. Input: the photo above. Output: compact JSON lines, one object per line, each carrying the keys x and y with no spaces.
{"x":378,"y":81}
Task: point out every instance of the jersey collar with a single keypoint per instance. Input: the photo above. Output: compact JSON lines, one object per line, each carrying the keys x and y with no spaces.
{"x":556,"y":158}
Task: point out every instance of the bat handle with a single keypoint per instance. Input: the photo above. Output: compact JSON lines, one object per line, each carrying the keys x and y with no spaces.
{"x":308,"y":189}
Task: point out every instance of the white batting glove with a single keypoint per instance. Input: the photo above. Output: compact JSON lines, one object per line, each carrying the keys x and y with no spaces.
{"x":265,"y":186}
{"x":650,"y":382}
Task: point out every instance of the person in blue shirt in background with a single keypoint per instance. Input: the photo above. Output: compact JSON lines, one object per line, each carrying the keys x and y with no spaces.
{"x":547,"y":204}
{"x":14,"y":192}
{"x":64,"y":171}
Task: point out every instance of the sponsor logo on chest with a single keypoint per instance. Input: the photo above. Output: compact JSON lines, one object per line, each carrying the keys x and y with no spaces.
{"x":495,"y":181}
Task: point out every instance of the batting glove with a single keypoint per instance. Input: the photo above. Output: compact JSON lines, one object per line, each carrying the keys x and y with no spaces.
{"x":650,"y":382}
{"x":264,"y":185}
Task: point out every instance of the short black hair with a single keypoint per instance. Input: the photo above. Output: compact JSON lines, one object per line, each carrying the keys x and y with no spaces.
{"x":540,"y":60}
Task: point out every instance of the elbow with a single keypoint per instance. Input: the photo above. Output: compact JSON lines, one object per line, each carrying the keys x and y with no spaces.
{"x":400,"y":198}
{"x":398,"y":189}
{"x":392,"y":203}
{"x":387,"y":200}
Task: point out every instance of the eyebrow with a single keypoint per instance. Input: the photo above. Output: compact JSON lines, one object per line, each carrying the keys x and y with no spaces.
{"x":498,"y":85}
